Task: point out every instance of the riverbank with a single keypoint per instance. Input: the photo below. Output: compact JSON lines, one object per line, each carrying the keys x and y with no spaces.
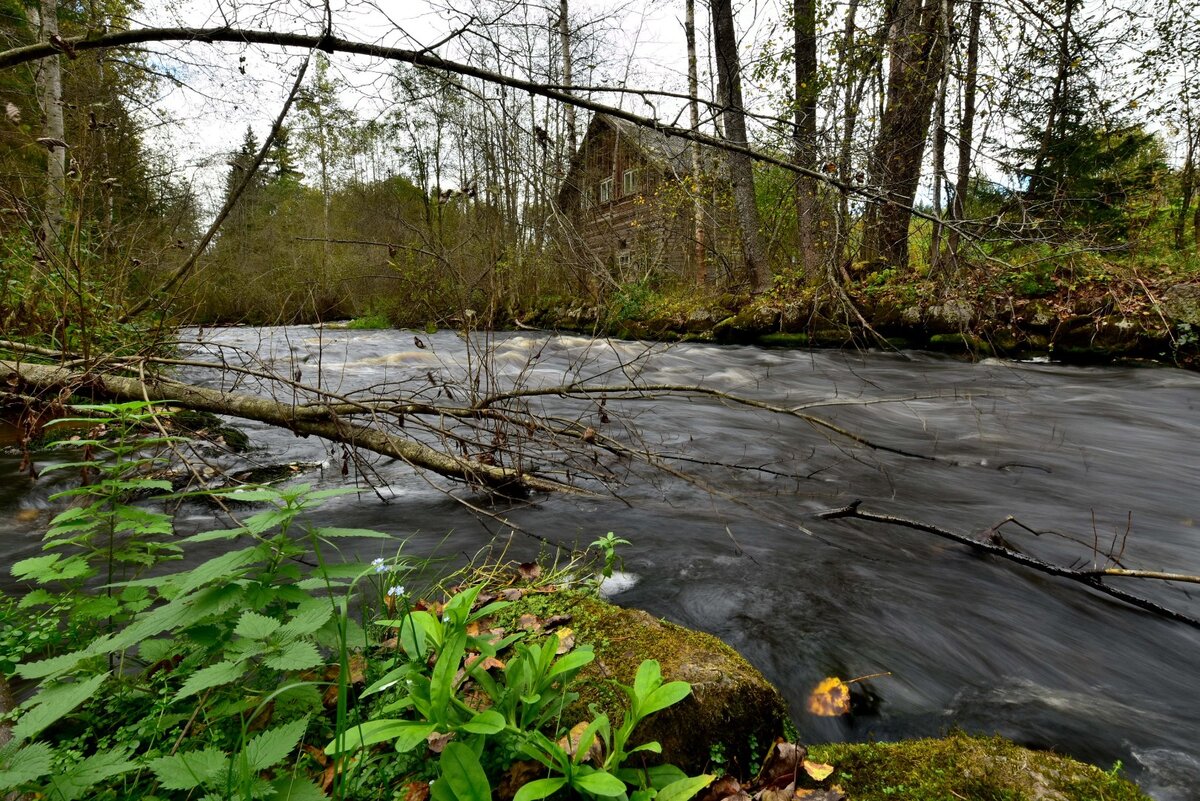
{"x":1089,"y":322}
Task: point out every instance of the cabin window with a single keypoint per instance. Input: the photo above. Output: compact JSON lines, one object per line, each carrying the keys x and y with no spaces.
{"x":629,"y":182}
{"x":606,"y":188}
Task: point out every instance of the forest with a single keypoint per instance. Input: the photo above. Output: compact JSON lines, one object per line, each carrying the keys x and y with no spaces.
{"x":354,"y":354}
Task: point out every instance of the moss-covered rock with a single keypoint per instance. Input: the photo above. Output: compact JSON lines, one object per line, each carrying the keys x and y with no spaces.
{"x":965,"y":767}
{"x":732,"y":708}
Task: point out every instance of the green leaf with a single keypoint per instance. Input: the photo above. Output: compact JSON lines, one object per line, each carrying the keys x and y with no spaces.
{"x":407,"y":734}
{"x":652,"y":747}
{"x":255,"y":626}
{"x":684,"y":789}
{"x":573,"y":661}
{"x":191,"y":769}
{"x":84,"y":775}
{"x":307,"y":618}
{"x":297,"y":788}
{"x":296,"y":655}
{"x":49,"y":667}
{"x":540,"y":788}
{"x":599,"y":782}
{"x":666,"y":695}
{"x":211,"y":676}
{"x":272,"y":746}
{"x":463,"y":773}
{"x":52,"y":567}
{"x":218,"y":534}
{"x":488,"y":722}
{"x":334,"y":532}
{"x":649,"y":677}
{"x":53,"y":703}
{"x":21,"y":765}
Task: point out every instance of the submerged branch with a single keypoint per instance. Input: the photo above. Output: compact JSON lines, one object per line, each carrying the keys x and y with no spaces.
{"x":1091,"y":578}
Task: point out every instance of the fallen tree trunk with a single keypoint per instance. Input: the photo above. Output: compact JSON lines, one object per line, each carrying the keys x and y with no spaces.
{"x":308,"y":420}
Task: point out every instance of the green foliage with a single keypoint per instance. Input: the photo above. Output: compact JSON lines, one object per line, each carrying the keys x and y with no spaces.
{"x":611,"y":778}
{"x":195,"y":681}
{"x":607,"y":546}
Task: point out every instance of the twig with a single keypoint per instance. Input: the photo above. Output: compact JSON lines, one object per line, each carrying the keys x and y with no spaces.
{"x":1091,"y":578}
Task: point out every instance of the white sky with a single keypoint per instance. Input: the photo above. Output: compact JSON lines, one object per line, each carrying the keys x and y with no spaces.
{"x":208,"y":116}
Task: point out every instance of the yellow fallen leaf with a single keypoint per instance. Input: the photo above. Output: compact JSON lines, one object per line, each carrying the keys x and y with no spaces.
{"x":817,"y":770}
{"x":566,"y":640}
{"x":830,"y":698}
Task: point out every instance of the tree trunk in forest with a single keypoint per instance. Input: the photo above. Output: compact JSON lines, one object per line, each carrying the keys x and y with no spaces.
{"x":564,"y":43}
{"x":966,"y":130}
{"x":936,"y":259}
{"x":48,"y":79}
{"x":916,"y":48}
{"x":689,"y":29}
{"x":805,"y":132}
{"x":849,"y":121}
{"x":741,"y":168}
{"x":1048,"y":187}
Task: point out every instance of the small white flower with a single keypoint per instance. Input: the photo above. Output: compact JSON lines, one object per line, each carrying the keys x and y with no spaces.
{"x":396,"y":592}
{"x":380,"y":567}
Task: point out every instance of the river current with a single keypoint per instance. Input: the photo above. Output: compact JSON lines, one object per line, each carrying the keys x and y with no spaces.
{"x":1106,"y":456}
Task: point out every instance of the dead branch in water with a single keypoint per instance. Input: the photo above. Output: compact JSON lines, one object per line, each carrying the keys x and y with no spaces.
{"x":995,"y":545}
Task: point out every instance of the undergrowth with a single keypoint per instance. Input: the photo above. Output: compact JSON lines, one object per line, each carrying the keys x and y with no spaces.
{"x":277,"y":668}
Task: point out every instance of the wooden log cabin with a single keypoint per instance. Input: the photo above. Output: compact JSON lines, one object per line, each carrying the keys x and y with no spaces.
{"x":629,"y":197}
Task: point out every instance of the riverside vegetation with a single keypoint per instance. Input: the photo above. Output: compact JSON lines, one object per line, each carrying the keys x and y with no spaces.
{"x":242,"y":676}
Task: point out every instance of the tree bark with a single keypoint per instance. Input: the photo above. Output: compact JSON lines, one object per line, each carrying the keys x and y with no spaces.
{"x":48,"y":80}
{"x":564,"y":43}
{"x":966,"y":129}
{"x":916,"y":49}
{"x":804,"y":26}
{"x":320,"y":420}
{"x":741,"y":168}
{"x":698,"y":255}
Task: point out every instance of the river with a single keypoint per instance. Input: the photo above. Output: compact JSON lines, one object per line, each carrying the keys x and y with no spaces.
{"x":1107,"y":455}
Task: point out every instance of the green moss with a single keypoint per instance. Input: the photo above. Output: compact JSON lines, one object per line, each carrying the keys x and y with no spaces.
{"x":961,"y":766}
{"x":959,"y":342}
{"x":732,"y":705}
{"x":782,"y":340}
{"x":369,"y":322}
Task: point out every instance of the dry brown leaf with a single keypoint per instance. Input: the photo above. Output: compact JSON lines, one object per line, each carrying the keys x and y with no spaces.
{"x":830,"y":698}
{"x":473,"y":628}
{"x":832,"y":794}
{"x":511,"y":593}
{"x":556,"y":620}
{"x":529,"y":571}
{"x":782,"y":762}
{"x":13,"y":113}
{"x":570,"y":743}
{"x":318,"y":754}
{"x":437,"y":742}
{"x":785,"y":793}
{"x":530,"y":622}
{"x":819,"y":771}
{"x":517,"y":776}
{"x":416,"y":791}
{"x":566,"y":640}
{"x":723,"y":788}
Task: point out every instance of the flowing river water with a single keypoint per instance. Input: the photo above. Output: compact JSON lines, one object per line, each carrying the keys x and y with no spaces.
{"x":1106,"y":455}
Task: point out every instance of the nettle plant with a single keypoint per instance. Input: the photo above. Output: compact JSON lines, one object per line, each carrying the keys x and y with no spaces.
{"x":200,"y":683}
